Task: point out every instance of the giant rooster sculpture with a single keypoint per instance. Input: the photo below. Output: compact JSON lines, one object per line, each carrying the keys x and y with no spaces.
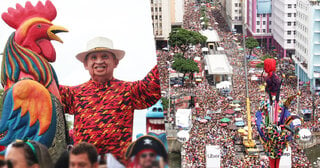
{"x":31,"y":106}
{"x":275,"y":131}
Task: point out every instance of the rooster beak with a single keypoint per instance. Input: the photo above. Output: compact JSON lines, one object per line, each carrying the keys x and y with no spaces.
{"x":55,"y":29}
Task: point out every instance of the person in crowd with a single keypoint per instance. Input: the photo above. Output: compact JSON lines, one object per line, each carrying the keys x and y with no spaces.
{"x":83,"y":155}
{"x":28,"y":154}
{"x":147,"y":152}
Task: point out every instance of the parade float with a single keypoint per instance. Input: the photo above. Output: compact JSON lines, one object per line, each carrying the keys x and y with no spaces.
{"x":31,"y":104}
{"x":275,"y":129}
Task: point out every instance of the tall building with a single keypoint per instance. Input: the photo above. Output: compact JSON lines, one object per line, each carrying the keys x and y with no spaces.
{"x":259,"y":21}
{"x":307,"y":54}
{"x":177,"y":11}
{"x":161,"y":21}
{"x":283,"y":26}
{"x":234,"y":12}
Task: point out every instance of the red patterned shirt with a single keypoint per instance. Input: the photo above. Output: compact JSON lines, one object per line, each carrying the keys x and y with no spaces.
{"x":103,"y":113}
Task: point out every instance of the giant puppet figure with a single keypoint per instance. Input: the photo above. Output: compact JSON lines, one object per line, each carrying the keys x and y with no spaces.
{"x":31,"y":106}
{"x":275,"y":130}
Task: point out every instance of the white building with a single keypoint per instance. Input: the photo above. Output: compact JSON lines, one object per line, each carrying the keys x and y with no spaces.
{"x":177,"y":11}
{"x":307,"y":54}
{"x":283,"y":26}
{"x":234,"y":12}
{"x":161,"y":21}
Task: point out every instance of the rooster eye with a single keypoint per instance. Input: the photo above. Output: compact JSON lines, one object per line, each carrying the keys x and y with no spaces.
{"x":39,"y":26}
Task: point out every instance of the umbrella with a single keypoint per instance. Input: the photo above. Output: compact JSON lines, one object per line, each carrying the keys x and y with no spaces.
{"x":203,"y":120}
{"x":258,"y":47}
{"x":239,"y":124}
{"x":237,"y":105}
{"x":236,"y":101}
{"x":223,"y":124}
{"x":225,"y":120}
{"x":207,"y":117}
{"x":237,"y":109}
{"x":229,"y":98}
{"x":241,"y":49}
{"x":241,"y":130}
{"x":229,"y":111}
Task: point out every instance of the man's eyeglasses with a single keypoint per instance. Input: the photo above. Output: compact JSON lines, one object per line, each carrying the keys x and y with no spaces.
{"x":144,"y":155}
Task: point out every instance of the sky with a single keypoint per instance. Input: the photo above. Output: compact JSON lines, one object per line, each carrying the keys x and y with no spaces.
{"x":128,"y":23}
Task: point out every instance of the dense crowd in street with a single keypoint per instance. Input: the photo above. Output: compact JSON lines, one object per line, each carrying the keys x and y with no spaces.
{"x":209,"y":98}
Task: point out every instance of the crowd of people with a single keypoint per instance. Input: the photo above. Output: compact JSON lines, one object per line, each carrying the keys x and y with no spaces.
{"x":207,"y":98}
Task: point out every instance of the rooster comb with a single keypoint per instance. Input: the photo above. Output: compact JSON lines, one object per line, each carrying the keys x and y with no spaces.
{"x":15,"y":17}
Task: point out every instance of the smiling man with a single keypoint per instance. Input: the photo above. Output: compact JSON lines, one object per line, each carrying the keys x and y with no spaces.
{"x":103,"y":107}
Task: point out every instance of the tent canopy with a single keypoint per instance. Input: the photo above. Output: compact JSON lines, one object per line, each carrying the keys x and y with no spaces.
{"x":212,"y":35}
{"x":218,"y":64}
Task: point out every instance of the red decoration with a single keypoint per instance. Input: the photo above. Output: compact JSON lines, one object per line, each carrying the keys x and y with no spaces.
{"x":15,"y":17}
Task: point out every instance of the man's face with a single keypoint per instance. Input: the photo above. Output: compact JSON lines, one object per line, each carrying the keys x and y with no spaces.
{"x":146,"y":159}
{"x":81,"y":161}
{"x":101,"y":65}
{"x":17,"y":158}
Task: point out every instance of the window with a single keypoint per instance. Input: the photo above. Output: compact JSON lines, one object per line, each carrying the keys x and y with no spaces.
{"x":289,"y":23}
{"x":239,"y":4}
{"x":294,"y":41}
{"x":294,"y":23}
{"x":236,"y":18}
{"x":239,"y":10}
{"x":295,"y":5}
{"x":294,"y":32}
{"x":156,"y":9}
{"x":289,"y":41}
{"x":264,"y":22}
{"x":236,"y":11}
{"x":156,"y":17}
{"x":289,"y":32}
{"x":263,"y":30}
{"x":258,"y":30}
{"x":160,"y":17}
{"x":270,"y":22}
{"x":151,"y":1}
{"x":258,"y":22}
{"x":269,"y":30}
{"x":240,"y":18}
{"x":160,"y":9}
{"x":294,"y":15}
{"x":289,"y":14}
{"x":264,"y":15}
{"x":236,"y":4}
{"x":258,"y":15}
{"x":151,"y":9}
{"x":152,"y":17}
{"x":289,"y":6}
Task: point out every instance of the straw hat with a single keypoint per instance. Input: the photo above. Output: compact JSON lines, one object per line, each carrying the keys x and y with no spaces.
{"x":100,"y":44}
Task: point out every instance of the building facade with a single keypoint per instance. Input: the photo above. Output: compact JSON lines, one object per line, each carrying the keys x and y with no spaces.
{"x":234,"y":13}
{"x":177,"y":12}
{"x":259,"y":21}
{"x":307,"y":54}
{"x":161,"y":21}
{"x":283,"y":26}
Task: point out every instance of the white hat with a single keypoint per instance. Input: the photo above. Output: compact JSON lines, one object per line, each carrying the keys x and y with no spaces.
{"x":100,"y":44}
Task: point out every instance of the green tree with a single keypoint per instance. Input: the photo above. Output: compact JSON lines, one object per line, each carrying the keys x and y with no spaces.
{"x":182,"y":38}
{"x":185,"y":66}
{"x":251,"y":43}
{"x":165,"y":103}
